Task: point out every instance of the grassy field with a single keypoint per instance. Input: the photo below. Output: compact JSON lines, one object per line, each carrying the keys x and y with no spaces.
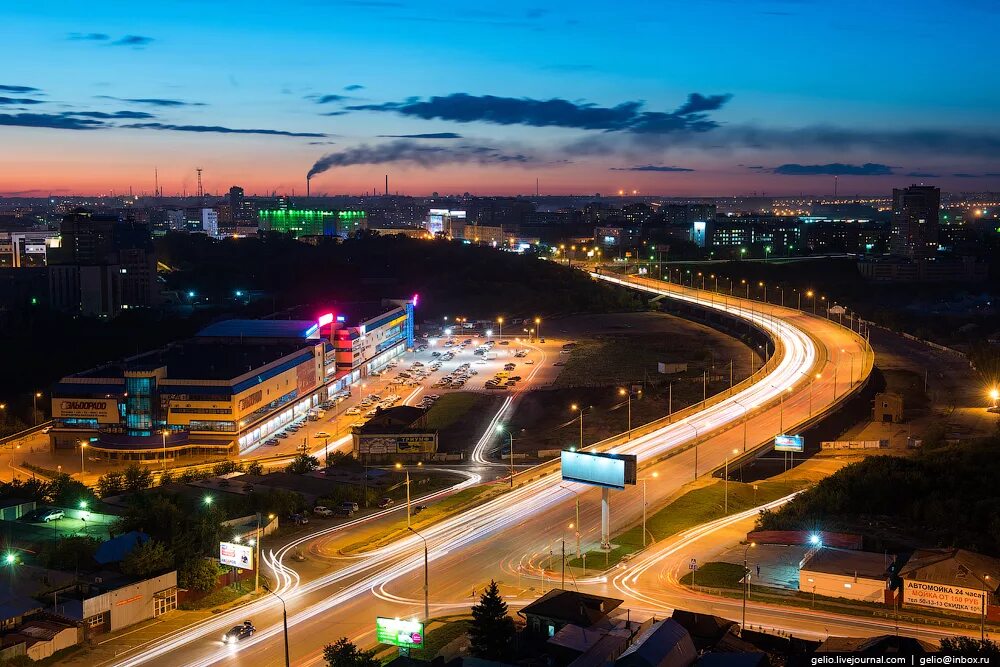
{"x":460,"y":418}
{"x":608,"y":360}
{"x":692,"y":509}
{"x":715,"y":575}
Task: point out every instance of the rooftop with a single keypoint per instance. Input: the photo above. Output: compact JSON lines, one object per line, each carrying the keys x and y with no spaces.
{"x":580,"y":609}
{"x":952,"y":566}
{"x":203,"y":359}
{"x":848,"y":563}
{"x":293,"y":329}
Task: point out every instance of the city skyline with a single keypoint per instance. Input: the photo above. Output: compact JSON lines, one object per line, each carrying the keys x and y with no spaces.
{"x":487,"y":100}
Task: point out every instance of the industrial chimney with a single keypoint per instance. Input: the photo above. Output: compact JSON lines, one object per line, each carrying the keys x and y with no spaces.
{"x":308,"y":178}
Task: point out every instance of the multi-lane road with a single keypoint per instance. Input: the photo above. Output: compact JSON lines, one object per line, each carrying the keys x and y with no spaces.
{"x":815,"y":365}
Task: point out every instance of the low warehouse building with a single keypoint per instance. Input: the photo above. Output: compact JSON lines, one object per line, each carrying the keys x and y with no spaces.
{"x":845,"y":573}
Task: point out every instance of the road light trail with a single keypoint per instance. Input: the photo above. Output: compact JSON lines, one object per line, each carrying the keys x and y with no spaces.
{"x":798,"y":355}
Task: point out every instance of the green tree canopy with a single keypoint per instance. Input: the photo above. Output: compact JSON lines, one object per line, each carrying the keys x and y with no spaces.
{"x":491,"y":630}
{"x":147,"y":559}
{"x":343,"y":653}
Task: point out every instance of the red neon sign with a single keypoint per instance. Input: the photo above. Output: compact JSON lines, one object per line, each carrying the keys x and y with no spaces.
{"x":326,"y":319}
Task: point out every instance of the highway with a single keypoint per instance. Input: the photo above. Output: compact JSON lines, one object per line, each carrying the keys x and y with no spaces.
{"x":330,"y":596}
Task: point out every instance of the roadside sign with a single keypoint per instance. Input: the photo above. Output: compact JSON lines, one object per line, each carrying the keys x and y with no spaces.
{"x":398,"y":632}
{"x":693,"y":565}
{"x":789,"y":443}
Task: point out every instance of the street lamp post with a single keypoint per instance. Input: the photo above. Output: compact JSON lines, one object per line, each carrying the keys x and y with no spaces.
{"x":284,"y":620}
{"x":982,"y":620}
{"x":500,"y":323}
{"x":575,"y":408}
{"x":538,"y":328}
{"x":163,"y":435}
{"x":725,"y":511}
{"x":628,"y":394}
{"x":35,"y":395}
{"x":746,"y":584}
{"x":654,"y":475}
{"x":83,"y":445}
{"x":398,"y":467}
{"x":427,"y":606}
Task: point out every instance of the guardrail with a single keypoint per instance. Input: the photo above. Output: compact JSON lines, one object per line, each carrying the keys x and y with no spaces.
{"x":25,"y":433}
{"x":867,"y":364}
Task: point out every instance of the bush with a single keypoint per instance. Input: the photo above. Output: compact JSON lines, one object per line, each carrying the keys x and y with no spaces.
{"x":147,"y":559}
{"x":199,"y":574}
{"x":302,"y":464}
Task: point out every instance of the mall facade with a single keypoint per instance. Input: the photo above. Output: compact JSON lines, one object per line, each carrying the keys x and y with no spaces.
{"x":228,"y":388}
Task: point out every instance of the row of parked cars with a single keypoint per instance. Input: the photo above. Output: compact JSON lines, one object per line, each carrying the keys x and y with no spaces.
{"x":457,"y":378}
{"x":427,"y":401}
{"x":346,"y":509}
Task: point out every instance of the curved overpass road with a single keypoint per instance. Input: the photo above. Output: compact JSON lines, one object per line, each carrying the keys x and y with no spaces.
{"x":500,"y":538}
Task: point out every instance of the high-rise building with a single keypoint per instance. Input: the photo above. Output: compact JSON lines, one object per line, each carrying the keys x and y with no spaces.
{"x":914,"y":228}
{"x":105,"y":265}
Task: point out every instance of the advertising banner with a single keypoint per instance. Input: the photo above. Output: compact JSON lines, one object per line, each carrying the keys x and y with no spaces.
{"x":789,"y":443}
{"x":399,"y":633}
{"x":104,"y":410}
{"x":611,"y":470}
{"x":942,"y":596}
{"x":236,"y":555}
{"x":418,"y":443}
{"x":305,"y":377}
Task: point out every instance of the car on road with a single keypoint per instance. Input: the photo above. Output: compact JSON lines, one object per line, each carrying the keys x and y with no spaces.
{"x":419,"y":508}
{"x":298,"y":518}
{"x":559,"y":363}
{"x":238,"y":633}
{"x":53,"y":515}
{"x":529,"y":362}
{"x":353,"y":411}
{"x":321,"y":434}
{"x":321,"y":510}
{"x":384,"y":503}
{"x":348,"y":505}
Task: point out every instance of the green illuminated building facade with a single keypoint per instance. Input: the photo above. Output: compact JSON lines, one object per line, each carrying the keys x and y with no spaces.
{"x":310,"y":222}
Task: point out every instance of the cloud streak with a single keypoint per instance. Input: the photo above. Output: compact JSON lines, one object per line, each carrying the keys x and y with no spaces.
{"x":154,"y":101}
{"x":19,"y":89}
{"x":20,"y":100}
{"x":219,"y":129}
{"x":426,"y":135}
{"x":651,"y":167}
{"x":421,"y":154}
{"x":625,"y":117}
{"x":56,"y":121}
{"x":833,"y":169}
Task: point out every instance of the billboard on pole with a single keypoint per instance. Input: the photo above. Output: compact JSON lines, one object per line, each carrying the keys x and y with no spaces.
{"x":613,"y":471}
{"x":789,"y":443}
{"x":398,"y":632}
{"x":236,"y":555}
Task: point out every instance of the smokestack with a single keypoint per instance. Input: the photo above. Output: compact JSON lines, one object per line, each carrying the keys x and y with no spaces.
{"x":387,"y":185}
{"x":307,"y":186}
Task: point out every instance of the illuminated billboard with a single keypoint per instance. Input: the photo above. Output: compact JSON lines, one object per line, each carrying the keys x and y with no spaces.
{"x":236,"y":555}
{"x":399,"y":633}
{"x":613,"y":471}
{"x":789,"y":443}
{"x":104,"y":410}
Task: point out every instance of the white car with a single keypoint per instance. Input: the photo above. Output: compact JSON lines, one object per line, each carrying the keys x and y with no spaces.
{"x":352,"y":411}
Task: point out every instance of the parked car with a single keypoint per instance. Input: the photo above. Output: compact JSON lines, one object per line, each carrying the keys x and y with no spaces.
{"x":272,"y":442}
{"x":419,"y":508}
{"x":353,"y":411}
{"x":239,"y":632}
{"x":322,"y":434}
{"x":384,"y":503}
{"x":348,"y":505}
{"x":320,"y":510}
{"x":53,"y":515}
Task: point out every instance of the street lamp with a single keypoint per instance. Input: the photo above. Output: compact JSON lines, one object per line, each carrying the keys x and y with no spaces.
{"x":746,"y":584}
{"x":995,"y":396}
{"x":538,"y":327}
{"x":34,"y":407}
{"x":163,"y":434}
{"x":628,"y":394}
{"x":735,"y":452}
{"x":851,"y":384}
{"x":576,"y":408}
{"x":83,"y":444}
{"x":654,"y":475}
{"x":284,"y":619}
{"x":501,"y":429}
{"x":500,"y":322}
{"x":812,"y":295}
{"x":399,"y":466}
{"x":982,"y":620}
{"x":427,"y":606}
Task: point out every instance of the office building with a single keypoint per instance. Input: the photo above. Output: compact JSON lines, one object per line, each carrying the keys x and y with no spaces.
{"x":446,"y":222}
{"x":312,"y":222}
{"x":914,"y":225}
{"x":240,"y":215}
{"x":26,"y":249}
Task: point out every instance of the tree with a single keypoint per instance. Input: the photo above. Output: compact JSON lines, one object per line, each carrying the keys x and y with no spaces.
{"x":137,"y":478}
{"x":302,"y":464}
{"x":343,"y":653}
{"x":255,"y":468}
{"x":147,"y":559}
{"x":68,"y":492}
{"x":970,"y":646}
{"x":226,"y":467}
{"x":491,"y":630}
{"x":70,"y":553}
{"x":199,"y":574}
{"x":111,"y":484}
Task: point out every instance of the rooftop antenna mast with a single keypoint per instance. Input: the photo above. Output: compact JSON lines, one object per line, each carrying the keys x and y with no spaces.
{"x":156,"y":181}
{"x":201,"y":190}
{"x":835,"y":187}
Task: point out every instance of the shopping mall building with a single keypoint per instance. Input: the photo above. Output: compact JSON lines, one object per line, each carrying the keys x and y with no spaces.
{"x":228,"y":388}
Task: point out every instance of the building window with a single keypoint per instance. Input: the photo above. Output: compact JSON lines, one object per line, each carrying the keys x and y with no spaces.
{"x":164,"y":601}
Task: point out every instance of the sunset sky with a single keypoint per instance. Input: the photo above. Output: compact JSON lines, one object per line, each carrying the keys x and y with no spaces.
{"x":665,"y":97}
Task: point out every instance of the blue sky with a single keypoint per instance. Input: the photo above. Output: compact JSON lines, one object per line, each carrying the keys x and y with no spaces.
{"x":873,"y":92}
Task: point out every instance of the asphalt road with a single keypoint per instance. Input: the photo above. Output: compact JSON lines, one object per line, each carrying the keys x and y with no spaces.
{"x":507,"y":537}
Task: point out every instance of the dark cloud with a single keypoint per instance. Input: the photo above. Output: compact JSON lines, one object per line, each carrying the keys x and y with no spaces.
{"x":117,"y":114}
{"x":322,"y":143}
{"x":327,"y":99}
{"x":219,"y":129}
{"x":833,"y":169}
{"x":20,"y":100}
{"x":421,"y":154}
{"x":134,"y":41}
{"x":154,"y":101}
{"x":991,"y":174}
{"x":19,"y":89}
{"x":354,"y":86}
{"x":428,"y":135}
{"x":921,"y":174}
{"x":625,"y":117}
{"x":650,"y":167}
{"x":962,"y":175}
{"x":334,"y":113}
{"x":59,"y":121}
{"x":88,"y":37}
